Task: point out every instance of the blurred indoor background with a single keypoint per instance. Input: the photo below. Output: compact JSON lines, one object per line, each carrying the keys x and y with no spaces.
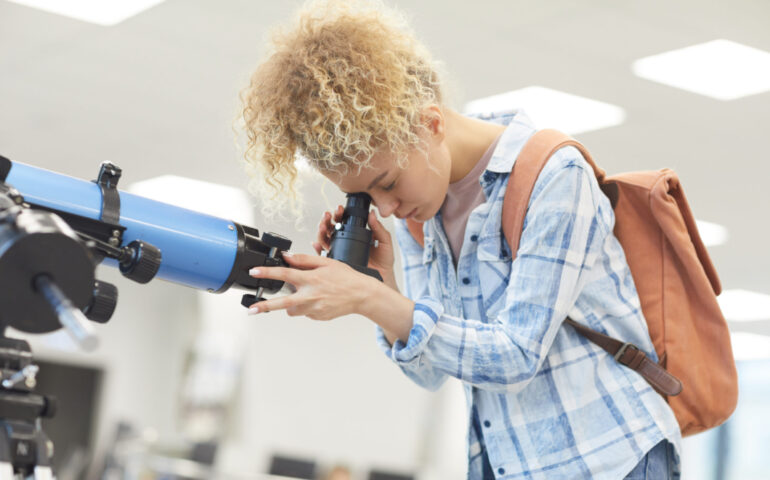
{"x":186,"y":385}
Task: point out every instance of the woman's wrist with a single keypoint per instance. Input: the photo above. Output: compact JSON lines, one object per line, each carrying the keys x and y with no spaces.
{"x":385,"y":306}
{"x":389,"y":278}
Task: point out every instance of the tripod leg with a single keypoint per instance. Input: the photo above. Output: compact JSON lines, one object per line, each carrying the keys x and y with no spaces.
{"x":44,"y":453}
{"x":6,"y":465}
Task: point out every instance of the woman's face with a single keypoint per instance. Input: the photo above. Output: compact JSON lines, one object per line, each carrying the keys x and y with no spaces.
{"x":415,"y":192}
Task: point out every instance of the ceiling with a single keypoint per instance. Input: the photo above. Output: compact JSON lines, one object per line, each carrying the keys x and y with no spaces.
{"x":157,"y":94}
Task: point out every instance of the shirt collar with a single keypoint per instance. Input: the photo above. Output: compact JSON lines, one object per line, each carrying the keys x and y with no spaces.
{"x":519,"y":129}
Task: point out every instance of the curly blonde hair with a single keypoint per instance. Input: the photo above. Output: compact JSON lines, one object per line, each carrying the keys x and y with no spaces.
{"x":344,"y":81}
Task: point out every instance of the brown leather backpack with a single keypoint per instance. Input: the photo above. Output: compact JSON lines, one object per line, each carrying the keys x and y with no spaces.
{"x":674,"y":277}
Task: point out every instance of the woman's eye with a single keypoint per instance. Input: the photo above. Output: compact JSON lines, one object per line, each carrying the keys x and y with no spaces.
{"x":390,"y":187}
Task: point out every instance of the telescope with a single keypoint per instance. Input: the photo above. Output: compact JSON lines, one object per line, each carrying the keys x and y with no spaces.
{"x":54,"y":231}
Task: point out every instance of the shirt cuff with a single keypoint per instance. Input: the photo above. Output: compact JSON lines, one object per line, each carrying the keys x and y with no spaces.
{"x":426,"y":313}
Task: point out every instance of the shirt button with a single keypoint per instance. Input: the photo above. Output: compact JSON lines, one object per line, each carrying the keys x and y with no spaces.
{"x":466,"y":280}
{"x":501,"y":470}
{"x":474,"y":238}
{"x":486,"y":423}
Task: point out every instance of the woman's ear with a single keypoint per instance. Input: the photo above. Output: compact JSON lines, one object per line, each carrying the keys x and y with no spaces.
{"x":433,"y":120}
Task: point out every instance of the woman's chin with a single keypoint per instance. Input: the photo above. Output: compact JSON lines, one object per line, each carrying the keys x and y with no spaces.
{"x":420,"y":216}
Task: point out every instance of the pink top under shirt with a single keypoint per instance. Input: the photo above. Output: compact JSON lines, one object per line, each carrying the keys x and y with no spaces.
{"x":461,"y":198}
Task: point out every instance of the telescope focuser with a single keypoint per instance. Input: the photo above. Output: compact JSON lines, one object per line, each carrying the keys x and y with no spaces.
{"x":140,"y":261}
{"x":274,"y":244}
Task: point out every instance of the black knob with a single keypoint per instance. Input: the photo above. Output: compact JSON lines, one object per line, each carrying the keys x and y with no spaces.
{"x":248,"y":300}
{"x":142,"y":266}
{"x":103,"y":303}
{"x":278,"y":241}
{"x":49,"y":407}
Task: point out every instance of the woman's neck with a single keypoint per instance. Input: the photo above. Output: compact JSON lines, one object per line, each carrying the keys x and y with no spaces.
{"x":467,"y":139}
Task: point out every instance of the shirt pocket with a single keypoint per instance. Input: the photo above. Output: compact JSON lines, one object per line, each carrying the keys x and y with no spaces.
{"x":494,"y":270}
{"x":433,"y":275}
{"x":493,"y":248}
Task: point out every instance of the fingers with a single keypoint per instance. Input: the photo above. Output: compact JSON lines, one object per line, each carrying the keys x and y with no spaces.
{"x":324,"y":233}
{"x":289,"y":275}
{"x":298,"y":263}
{"x":379,"y":232}
{"x":305,"y":262}
{"x":326,"y":228}
{"x":279,"y":303}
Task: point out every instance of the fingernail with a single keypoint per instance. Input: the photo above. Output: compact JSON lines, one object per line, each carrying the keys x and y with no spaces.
{"x":253,"y":310}
{"x":287,"y":254}
{"x":254,"y":271}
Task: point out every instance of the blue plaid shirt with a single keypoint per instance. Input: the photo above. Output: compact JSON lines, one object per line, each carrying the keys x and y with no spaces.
{"x":543,"y":402}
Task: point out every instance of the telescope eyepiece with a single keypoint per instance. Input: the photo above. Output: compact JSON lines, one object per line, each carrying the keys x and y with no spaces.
{"x":351,"y":239}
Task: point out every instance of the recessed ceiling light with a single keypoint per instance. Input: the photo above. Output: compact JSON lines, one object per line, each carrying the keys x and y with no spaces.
{"x":712,"y":234}
{"x":214,"y":199}
{"x":750,"y":346}
{"x":550,"y":108}
{"x":719,"y":69}
{"x":744,"y":305}
{"x":100,"y":12}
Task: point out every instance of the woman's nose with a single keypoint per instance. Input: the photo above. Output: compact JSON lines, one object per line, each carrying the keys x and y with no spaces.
{"x":385,"y":205}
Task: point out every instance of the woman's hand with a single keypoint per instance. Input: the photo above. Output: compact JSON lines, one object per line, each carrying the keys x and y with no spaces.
{"x":381,"y":257}
{"x":328,"y":288}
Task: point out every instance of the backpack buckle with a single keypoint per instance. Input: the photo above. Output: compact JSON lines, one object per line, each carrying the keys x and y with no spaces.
{"x":622,"y":351}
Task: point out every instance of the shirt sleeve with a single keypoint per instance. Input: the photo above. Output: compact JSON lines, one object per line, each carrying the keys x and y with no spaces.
{"x":567,"y":222}
{"x":417,"y":369}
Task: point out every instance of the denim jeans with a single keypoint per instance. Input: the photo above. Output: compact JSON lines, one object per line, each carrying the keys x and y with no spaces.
{"x":658,"y":464}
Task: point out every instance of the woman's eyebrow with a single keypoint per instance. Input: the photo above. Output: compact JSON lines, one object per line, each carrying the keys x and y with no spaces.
{"x":377,"y":179}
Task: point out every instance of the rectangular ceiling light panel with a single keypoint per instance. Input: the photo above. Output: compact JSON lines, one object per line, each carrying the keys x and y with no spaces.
{"x":712,"y":234}
{"x":719,"y":69}
{"x":744,"y":305}
{"x":750,"y":346}
{"x":548,"y":108}
{"x":100,"y":12}
{"x":210,"y":198}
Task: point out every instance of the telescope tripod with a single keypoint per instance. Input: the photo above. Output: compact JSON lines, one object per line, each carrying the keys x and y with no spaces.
{"x":25,"y":450}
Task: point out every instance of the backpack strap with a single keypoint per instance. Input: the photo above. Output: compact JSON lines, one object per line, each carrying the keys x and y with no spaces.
{"x":526,"y":169}
{"x":632,"y":357}
{"x":530,"y":162}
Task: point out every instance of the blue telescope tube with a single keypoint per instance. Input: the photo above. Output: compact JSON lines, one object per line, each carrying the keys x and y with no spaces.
{"x":198,"y":250}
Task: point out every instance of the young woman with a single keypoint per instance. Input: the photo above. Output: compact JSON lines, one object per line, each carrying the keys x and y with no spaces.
{"x":350,"y":89}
